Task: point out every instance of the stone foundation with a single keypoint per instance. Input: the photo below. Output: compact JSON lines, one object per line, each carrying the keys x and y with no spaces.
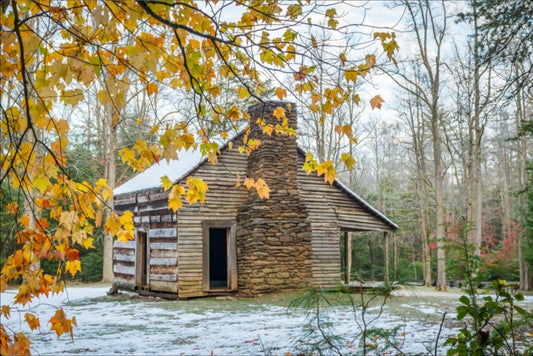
{"x":273,"y":235}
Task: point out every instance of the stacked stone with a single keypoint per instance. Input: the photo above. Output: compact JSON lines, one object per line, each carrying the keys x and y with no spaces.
{"x":273,"y":235}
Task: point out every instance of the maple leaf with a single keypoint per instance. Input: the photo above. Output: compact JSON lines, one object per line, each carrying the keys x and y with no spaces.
{"x":174,"y":197}
{"x":13,"y":208}
{"x":73,"y":267}
{"x":151,"y":88}
{"x":310,"y":163}
{"x":262,"y":189}
{"x":249,"y":182}
{"x":6,"y":311}
{"x":376,"y":102}
{"x":348,"y":160}
{"x":88,"y":243}
{"x":327,"y":169}
{"x":280,"y":93}
{"x":60,"y":323}
{"x":279,"y":113}
{"x":166,"y":183}
{"x":32,"y":320}
{"x":20,"y":346}
{"x":197,"y":189}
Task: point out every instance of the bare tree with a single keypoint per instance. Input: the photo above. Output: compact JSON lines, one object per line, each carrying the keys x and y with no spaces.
{"x":428,"y":22}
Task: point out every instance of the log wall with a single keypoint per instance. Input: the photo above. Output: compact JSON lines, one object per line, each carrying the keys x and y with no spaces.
{"x":152,"y":217}
{"x":221,"y":204}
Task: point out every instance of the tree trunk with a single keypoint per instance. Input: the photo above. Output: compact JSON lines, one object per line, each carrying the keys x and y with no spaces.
{"x":439,"y":200}
{"x":525,"y":268}
{"x":107,"y":273}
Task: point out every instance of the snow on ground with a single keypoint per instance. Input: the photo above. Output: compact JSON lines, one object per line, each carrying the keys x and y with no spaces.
{"x":132,"y":325}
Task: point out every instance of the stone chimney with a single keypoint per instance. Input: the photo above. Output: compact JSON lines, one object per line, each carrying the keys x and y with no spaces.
{"x":273,"y":235}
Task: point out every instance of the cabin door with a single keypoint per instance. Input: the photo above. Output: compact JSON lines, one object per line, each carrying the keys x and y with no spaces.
{"x":141,"y":271}
{"x":220,"y":267}
{"x":218,"y":258}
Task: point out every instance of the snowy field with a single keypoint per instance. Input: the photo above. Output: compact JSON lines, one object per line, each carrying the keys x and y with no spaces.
{"x":128,"y":324}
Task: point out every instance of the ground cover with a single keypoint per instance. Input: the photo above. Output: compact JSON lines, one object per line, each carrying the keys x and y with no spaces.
{"x":129,"y":324}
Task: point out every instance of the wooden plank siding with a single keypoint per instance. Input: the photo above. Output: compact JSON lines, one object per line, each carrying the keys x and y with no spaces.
{"x":222,"y":201}
{"x":330,"y":211}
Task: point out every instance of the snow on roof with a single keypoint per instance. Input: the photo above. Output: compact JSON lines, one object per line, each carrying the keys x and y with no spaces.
{"x":151,"y":177}
{"x":175,"y":169}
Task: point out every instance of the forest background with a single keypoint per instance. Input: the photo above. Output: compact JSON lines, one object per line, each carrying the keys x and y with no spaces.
{"x":94,"y":91}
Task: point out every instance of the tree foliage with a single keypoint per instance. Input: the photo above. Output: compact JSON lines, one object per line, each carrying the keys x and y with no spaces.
{"x":56,"y":53}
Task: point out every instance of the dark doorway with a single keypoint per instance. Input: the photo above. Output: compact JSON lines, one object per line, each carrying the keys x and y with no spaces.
{"x":218,"y":258}
{"x":142,"y":261}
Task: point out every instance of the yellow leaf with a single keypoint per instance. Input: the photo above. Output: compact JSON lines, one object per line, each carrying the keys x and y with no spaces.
{"x":262,"y":189}
{"x":73,"y":266}
{"x":243,"y":92}
{"x":279,"y":113}
{"x":310,"y":163}
{"x":127,"y":155}
{"x":174,"y":197}
{"x":124,"y":236}
{"x":72,"y":97}
{"x":249,"y":183}
{"x":112,"y":224}
{"x":197,"y":189}
{"x":88,"y":243}
{"x":348,"y":160}
{"x":166,"y":183}
{"x":126,"y":220}
{"x":327,"y":169}
{"x":342,"y":56}
{"x":351,"y":75}
{"x":268,"y":130}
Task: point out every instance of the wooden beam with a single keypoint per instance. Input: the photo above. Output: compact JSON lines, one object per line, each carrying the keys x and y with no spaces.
{"x":386,"y":238}
{"x":348,"y":252}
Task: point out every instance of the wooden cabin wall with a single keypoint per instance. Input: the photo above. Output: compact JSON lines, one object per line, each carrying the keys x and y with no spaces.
{"x":152,"y":217}
{"x":330,"y":210}
{"x":221,"y":204}
{"x":325,"y":242}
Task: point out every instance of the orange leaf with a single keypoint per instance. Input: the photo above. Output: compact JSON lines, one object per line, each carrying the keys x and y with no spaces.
{"x":281,"y":93}
{"x":151,"y":88}
{"x":12,"y":208}
{"x":25,"y":220}
{"x":32,"y":320}
{"x":20,"y":346}
{"x":72,"y":254}
{"x":6,"y":311}
{"x":376,"y":102}
{"x":61,"y":325}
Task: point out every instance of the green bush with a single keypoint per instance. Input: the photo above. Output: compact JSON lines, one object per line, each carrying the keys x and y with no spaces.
{"x":91,"y":266}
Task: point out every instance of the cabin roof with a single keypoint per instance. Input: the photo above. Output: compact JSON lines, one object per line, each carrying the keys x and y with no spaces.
{"x":190,"y":160}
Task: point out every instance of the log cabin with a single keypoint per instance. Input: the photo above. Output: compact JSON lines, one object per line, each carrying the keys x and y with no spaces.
{"x":236,"y":242}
